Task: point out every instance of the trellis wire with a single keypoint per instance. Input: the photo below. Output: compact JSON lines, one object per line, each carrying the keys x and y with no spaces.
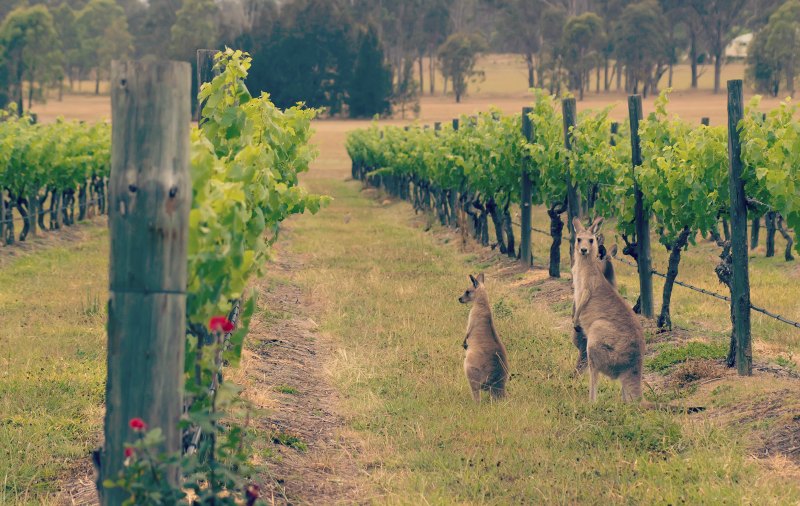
{"x":716,"y":295}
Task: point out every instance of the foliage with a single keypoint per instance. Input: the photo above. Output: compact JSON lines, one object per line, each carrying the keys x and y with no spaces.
{"x":772,"y":160}
{"x":371,"y":86}
{"x":28,"y":39}
{"x":684,"y":174}
{"x":772,"y":54}
{"x":458,"y":56}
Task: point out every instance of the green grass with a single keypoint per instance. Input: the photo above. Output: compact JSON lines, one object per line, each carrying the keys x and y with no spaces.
{"x":390,"y":296}
{"x":671,"y":354}
{"x":52,"y":364}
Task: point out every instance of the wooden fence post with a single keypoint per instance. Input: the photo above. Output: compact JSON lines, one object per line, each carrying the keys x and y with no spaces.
{"x":705,"y":121}
{"x":453,"y":192}
{"x":525,"y":249}
{"x":740,"y":282}
{"x":569,"y":112}
{"x":150,"y":196}
{"x":455,"y":124}
{"x":642,"y":216}
{"x":437,"y":126}
{"x":205,"y":73}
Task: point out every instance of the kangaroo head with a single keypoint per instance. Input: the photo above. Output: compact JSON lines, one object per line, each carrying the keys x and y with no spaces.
{"x":586,"y":243}
{"x":476,"y":286}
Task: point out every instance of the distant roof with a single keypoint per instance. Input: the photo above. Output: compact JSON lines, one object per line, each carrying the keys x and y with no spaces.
{"x":738,"y":46}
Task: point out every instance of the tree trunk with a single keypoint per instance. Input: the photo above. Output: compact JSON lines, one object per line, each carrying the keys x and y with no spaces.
{"x":529,"y":61}
{"x":619,"y":76}
{"x":497,"y":220}
{"x":556,"y":231}
{"x":9,"y":217}
{"x":769,"y":221}
{"x":40,"y":210}
{"x":431,"y":71}
{"x":726,"y":229}
{"x":664,"y":319}
{"x":597,"y":80}
{"x":30,"y":94}
{"x":421,"y":80}
{"x":789,"y":242}
{"x":510,"y":246}
{"x":22,"y":206}
{"x":97,"y":81}
{"x":717,"y":72}
{"x":755,"y":229}
{"x":693,"y":58}
{"x":670,"y":74}
{"x":724,"y":271}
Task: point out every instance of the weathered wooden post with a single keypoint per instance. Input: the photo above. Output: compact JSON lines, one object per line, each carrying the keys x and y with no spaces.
{"x":642,"y":216}
{"x":455,"y":124}
{"x":149,"y":201}
{"x":569,"y":113}
{"x":205,"y":73}
{"x":525,"y":249}
{"x":740,"y":282}
{"x":453,"y":192}
{"x":614,"y":132}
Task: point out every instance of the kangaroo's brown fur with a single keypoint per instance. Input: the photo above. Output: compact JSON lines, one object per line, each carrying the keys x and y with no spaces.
{"x":607,"y":268}
{"x":614,"y":336}
{"x":485,"y":362}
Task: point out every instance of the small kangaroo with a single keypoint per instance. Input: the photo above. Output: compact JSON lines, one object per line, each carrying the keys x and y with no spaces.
{"x":614,"y":336}
{"x":485,"y":362}
{"x":607,"y":268}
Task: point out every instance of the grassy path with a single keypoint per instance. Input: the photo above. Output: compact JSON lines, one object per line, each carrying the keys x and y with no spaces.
{"x":52,"y":364}
{"x":390,"y":292}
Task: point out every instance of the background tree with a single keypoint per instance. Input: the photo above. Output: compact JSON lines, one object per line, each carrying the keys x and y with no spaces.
{"x":30,"y":43}
{"x":93,"y":22}
{"x":719,"y":19}
{"x":582,"y":41}
{"x":519,"y":30}
{"x":640,"y":43}
{"x":772,"y":57}
{"x":371,"y":86}
{"x":310,"y":56}
{"x":458,"y":56}
{"x":65,"y":20}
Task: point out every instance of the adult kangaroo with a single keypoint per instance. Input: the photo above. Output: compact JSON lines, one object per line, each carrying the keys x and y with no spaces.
{"x":614,"y":337}
{"x":607,"y":268}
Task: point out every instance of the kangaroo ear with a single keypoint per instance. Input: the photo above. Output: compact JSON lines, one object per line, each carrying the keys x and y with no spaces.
{"x":576,"y":223}
{"x":474,"y":281}
{"x":598,"y":222}
{"x":480,"y":278}
{"x":613,"y":250}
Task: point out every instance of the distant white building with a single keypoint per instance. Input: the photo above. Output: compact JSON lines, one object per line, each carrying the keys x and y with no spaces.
{"x":738,"y":46}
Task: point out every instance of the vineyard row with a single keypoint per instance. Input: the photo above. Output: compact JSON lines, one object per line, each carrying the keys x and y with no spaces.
{"x":655,"y":171}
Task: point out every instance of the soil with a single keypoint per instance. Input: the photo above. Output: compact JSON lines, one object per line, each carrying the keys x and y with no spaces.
{"x":310,"y":459}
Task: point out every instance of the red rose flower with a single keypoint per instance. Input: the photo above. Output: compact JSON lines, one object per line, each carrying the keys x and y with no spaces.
{"x":137,"y":424}
{"x":220,"y":323}
{"x":128,"y":452}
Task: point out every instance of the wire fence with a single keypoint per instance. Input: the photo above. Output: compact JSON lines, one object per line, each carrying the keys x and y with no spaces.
{"x":703,"y":291}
